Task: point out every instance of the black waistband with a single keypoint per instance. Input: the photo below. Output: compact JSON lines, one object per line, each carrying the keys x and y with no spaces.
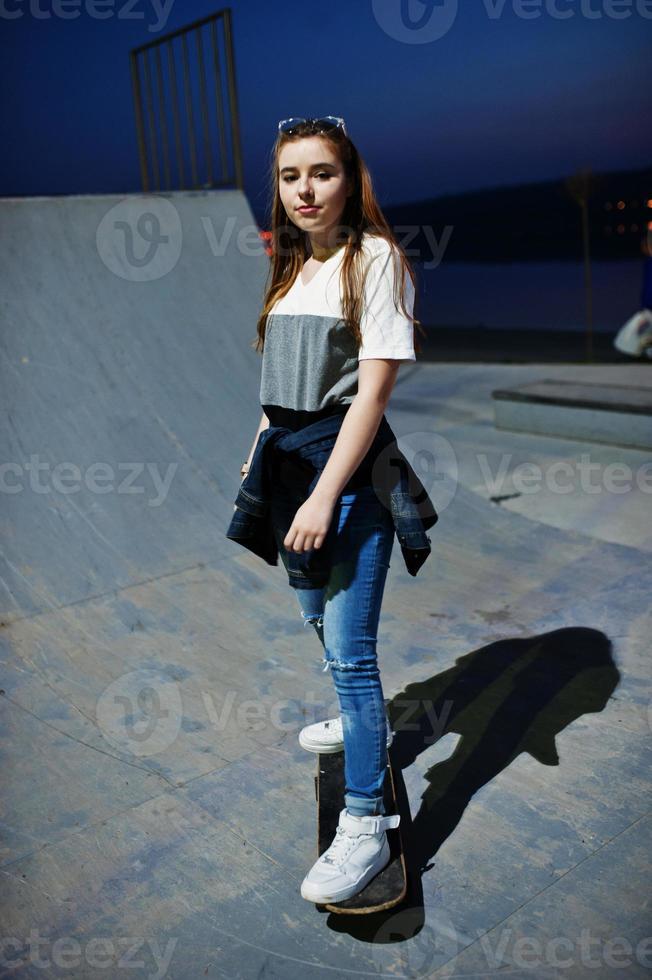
{"x":296,"y":419}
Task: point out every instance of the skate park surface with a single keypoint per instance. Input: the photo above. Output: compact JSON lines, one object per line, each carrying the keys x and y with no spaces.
{"x":159,"y":813}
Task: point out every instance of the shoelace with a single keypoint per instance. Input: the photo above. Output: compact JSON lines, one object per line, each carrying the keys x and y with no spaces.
{"x":339,"y":850}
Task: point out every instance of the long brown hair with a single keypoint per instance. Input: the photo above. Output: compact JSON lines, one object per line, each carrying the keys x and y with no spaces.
{"x":361,"y":214}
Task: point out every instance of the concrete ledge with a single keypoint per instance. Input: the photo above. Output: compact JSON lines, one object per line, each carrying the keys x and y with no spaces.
{"x":620,"y":415}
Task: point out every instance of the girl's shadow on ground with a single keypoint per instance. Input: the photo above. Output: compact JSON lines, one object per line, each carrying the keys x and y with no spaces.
{"x":510,"y":697}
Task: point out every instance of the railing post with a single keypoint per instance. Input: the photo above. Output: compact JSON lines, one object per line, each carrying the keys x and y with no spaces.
{"x":153,"y":100}
{"x":233,"y":103}
{"x":140,"y":129}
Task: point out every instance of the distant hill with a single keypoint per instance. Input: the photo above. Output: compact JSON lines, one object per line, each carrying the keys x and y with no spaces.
{"x":537,"y":221}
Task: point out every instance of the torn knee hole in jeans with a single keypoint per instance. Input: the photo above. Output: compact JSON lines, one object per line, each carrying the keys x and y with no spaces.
{"x":340,"y":664}
{"x":316,"y":618}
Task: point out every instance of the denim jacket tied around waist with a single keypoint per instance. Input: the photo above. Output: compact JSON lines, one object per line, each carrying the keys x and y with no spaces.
{"x":300,"y":457}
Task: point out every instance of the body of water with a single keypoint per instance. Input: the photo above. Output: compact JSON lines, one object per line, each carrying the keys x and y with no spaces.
{"x":528,"y":295}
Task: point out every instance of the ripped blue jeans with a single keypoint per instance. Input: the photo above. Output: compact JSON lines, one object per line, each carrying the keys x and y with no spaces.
{"x":345,"y":615}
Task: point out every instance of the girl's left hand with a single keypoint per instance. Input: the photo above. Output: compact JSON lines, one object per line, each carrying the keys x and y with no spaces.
{"x":310,"y":525}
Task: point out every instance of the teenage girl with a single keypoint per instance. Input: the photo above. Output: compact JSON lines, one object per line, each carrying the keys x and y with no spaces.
{"x":336,"y":323}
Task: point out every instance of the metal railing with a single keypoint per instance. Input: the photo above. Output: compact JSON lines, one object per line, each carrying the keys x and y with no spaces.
{"x":204,"y":159}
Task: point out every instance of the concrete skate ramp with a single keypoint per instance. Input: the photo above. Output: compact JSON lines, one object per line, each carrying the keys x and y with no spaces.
{"x":126,"y":331}
{"x":155,"y":675}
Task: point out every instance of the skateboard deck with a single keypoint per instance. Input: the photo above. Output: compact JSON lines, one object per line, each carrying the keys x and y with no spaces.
{"x":389,"y":886}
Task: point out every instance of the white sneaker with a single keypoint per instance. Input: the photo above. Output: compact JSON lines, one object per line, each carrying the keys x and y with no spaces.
{"x":635,"y":337}
{"x":360,"y":850}
{"x":326,"y":737}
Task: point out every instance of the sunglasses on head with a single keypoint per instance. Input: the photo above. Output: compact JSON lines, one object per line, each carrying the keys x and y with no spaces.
{"x":321,"y":125}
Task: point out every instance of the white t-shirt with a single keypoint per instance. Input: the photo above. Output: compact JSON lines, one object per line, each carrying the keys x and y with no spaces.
{"x":310,"y":358}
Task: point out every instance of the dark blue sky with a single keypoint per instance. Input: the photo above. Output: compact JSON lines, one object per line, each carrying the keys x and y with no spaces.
{"x":496,"y":99}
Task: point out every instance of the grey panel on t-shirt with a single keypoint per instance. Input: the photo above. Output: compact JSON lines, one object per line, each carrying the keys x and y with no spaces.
{"x":309,"y":362}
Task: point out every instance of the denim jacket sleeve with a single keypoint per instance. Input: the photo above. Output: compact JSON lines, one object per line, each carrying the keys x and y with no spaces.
{"x":394,"y":480}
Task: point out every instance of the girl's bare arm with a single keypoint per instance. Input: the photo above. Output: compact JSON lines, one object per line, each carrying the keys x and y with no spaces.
{"x":375,"y":383}
{"x":263,"y":424}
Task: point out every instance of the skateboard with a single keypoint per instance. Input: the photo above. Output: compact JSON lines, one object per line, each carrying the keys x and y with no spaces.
{"x":389,"y":886}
